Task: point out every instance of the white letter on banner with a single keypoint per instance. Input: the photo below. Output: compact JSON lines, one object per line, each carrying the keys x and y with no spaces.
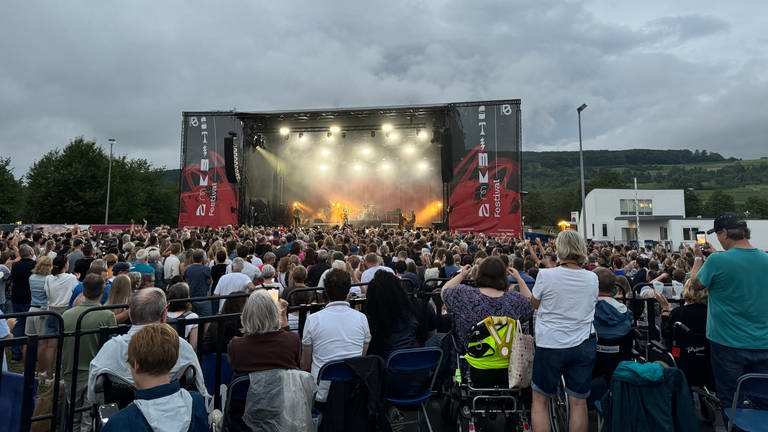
{"x":481,"y":112}
{"x":483,"y":177}
{"x":203,"y":164}
{"x":482,"y":159}
{"x":204,"y":180}
{"x":205,"y":137}
{"x":200,"y":210}
{"x":482,"y":127}
{"x":193,"y":121}
{"x":484,"y":211}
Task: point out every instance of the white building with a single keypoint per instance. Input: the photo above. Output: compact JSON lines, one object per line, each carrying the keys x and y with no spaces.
{"x":610,"y":216}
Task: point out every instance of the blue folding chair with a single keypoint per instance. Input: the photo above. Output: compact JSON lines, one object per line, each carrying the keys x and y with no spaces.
{"x":750,"y":388}
{"x":411,"y":375}
{"x":335,"y":371}
{"x":234,"y":404}
{"x":208,"y":365}
{"x":11,"y":397}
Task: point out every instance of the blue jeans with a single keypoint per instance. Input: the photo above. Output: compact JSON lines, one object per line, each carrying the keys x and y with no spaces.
{"x":19,"y":328}
{"x":728,"y":364}
{"x":203,"y":308}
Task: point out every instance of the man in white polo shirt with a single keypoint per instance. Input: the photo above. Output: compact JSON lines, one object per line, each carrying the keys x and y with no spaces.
{"x":236,"y":281}
{"x":336,"y":332}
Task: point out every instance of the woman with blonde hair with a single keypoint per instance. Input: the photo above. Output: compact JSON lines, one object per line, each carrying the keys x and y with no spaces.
{"x":40,"y":325}
{"x":565,"y":299}
{"x":119,"y":293}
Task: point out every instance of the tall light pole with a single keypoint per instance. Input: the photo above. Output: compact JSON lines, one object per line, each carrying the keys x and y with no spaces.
{"x":581,"y":108}
{"x":111,"y":142}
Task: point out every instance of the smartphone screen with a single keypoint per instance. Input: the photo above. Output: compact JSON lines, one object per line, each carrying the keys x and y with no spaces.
{"x":701,"y":237}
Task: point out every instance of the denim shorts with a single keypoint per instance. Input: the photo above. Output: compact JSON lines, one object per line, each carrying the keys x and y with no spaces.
{"x":574,"y":364}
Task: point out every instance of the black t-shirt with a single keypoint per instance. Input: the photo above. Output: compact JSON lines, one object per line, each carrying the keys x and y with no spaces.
{"x":20,"y":272}
{"x":317,"y":270}
{"x":82,"y":265}
{"x":217,"y":271}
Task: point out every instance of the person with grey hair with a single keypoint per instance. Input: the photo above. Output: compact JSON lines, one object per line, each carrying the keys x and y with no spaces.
{"x":267,"y":342}
{"x":146,"y":306}
{"x":267,"y":279}
{"x":565,"y":299}
{"x":154,"y":260}
{"x":737,"y":325}
{"x":237,"y":281}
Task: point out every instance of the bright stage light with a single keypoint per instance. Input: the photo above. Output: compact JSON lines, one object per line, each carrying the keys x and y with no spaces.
{"x":386,"y":127}
{"x":385,"y":166}
{"x":335,"y":129}
{"x":323,"y":167}
{"x":301,"y":136}
{"x":295,"y":203}
{"x":409,"y":150}
{"x":284,"y":131}
{"x":325,"y":152}
{"x":392,"y":135}
{"x":357,"y":167}
{"x":366,"y":151}
{"x":421,"y":134}
{"x":422,"y":165}
{"x":439,"y":204}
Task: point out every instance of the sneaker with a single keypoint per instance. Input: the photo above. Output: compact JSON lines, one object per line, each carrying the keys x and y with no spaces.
{"x":396,"y":420}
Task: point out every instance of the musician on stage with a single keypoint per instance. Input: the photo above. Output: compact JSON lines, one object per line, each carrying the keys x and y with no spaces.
{"x":296,"y":216}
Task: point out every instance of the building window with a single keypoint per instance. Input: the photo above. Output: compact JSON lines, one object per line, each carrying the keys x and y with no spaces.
{"x":605,"y":230}
{"x":690,"y":233}
{"x":663,"y":234}
{"x":627,"y":207}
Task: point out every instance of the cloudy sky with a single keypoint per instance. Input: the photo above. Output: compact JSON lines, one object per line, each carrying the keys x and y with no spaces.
{"x":655,"y":74}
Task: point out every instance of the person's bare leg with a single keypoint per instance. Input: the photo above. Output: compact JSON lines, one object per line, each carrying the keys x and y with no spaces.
{"x":540,"y":412}
{"x":578,"y":420}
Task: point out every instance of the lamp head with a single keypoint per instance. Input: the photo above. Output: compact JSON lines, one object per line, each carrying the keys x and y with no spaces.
{"x":581,"y":108}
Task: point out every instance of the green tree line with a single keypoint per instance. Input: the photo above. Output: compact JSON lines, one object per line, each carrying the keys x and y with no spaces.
{"x":69,"y":186}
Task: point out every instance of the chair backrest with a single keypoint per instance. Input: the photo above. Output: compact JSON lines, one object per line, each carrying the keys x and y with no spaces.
{"x":208,"y":365}
{"x":336,"y":370}
{"x":186,"y":377}
{"x":11,"y":397}
{"x":691,"y":351}
{"x":412,"y":372}
{"x":610,"y":352}
{"x":115,"y":389}
{"x":749,"y":387}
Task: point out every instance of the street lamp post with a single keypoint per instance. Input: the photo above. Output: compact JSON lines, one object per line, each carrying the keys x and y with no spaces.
{"x":581,"y":108}
{"x":111,"y":142}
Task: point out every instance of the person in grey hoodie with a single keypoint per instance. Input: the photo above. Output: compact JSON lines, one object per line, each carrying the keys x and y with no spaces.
{"x":160,"y":405}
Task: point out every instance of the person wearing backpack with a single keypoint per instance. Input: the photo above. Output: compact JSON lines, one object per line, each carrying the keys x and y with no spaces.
{"x":182,"y":310}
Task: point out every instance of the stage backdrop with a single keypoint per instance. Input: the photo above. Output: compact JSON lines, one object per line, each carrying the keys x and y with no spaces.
{"x":485,"y":153}
{"x":211,"y":154}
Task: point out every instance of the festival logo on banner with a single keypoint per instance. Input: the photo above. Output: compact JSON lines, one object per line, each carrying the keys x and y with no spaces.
{"x":485,"y":194}
{"x":207,"y":197}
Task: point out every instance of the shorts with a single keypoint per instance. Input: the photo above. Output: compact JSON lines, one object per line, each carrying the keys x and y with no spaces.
{"x":40,"y":325}
{"x":574,"y":364}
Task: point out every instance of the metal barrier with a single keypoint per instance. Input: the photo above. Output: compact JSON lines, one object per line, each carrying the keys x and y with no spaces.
{"x":32,"y":342}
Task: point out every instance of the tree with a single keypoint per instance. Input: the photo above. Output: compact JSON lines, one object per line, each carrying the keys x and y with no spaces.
{"x":692,"y":203}
{"x":606,"y":179}
{"x":70,"y":185}
{"x":757,"y":207}
{"x":11,"y":193}
{"x":718,"y":203}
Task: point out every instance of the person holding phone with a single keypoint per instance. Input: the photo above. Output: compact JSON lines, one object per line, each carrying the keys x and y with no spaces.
{"x":737,"y":325}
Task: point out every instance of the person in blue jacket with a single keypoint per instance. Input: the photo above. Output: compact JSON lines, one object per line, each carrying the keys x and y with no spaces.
{"x":159,"y":404}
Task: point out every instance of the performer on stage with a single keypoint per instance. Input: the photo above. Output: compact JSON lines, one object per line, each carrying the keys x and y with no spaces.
{"x":412,"y":221}
{"x":296,"y":216}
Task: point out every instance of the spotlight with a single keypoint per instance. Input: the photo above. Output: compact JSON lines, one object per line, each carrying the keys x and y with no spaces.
{"x":409,"y":149}
{"x":392,"y":135}
{"x":385,"y":166}
{"x":295,"y":203}
{"x":323,"y":167}
{"x":284,"y":131}
{"x":421,"y":134}
{"x":335,"y":129}
{"x":422,"y":166}
{"x":329,"y":135}
{"x":357,"y":167}
{"x":301,"y":135}
{"x":373,"y":134}
{"x":343,"y":134}
{"x":386,"y":127}
{"x":439,"y":204}
{"x":366,"y":151}
{"x":325,"y":152}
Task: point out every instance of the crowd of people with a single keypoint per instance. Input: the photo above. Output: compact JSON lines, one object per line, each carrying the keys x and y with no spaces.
{"x":575,"y":291}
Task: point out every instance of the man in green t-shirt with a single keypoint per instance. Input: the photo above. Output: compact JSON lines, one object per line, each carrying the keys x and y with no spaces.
{"x":93,"y":288}
{"x":737,"y":322}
